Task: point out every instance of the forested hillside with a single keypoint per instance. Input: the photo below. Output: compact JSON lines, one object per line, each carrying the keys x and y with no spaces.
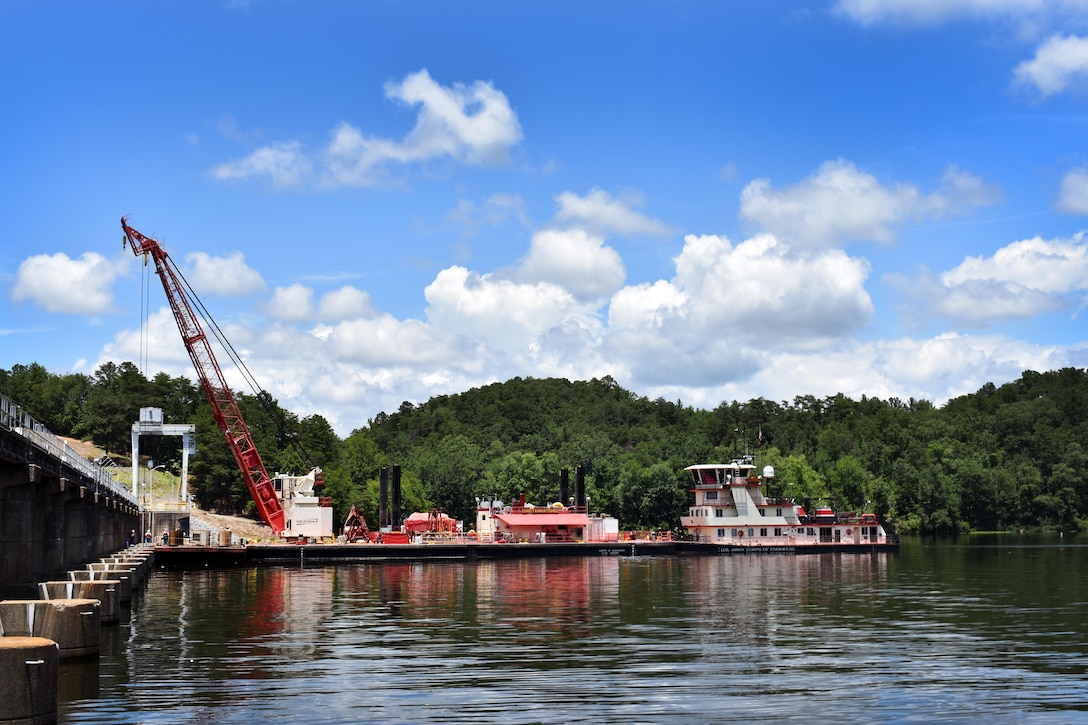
{"x":1001,"y":458}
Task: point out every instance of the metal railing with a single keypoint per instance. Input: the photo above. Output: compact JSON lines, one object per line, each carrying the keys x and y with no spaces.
{"x":21,"y":423}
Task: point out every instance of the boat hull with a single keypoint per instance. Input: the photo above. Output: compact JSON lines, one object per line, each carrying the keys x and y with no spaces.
{"x":705,"y":548}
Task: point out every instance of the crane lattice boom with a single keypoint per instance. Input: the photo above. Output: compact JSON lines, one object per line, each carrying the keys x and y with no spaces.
{"x":224,"y":406}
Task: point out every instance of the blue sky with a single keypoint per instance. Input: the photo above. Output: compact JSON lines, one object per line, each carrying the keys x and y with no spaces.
{"x":385,"y":201}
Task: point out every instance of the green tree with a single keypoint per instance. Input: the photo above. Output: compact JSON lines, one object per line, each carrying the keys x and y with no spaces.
{"x":113,"y":405}
{"x":849,"y":483}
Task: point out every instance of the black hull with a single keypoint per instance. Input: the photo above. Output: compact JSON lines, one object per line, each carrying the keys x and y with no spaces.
{"x":200,"y":557}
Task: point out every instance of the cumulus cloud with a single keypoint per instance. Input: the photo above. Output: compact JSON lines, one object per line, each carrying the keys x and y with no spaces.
{"x":507,"y":314}
{"x":840,"y":203}
{"x":159,"y":340}
{"x":734,"y":321}
{"x":730,"y":320}
{"x":470,"y":124}
{"x":1060,"y":62}
{"x":933,"y":368}
{"x":295,"y":303}
{"x":1073,"y":196}
{"x":228,"y":275}
{"x":386,"y":341}
{"x":574,"y":260}
{"x":600,"y":212}
{"x":473,"y":123}
{"x":59,"y":283}
{"x":344,"y":304}
{"x":1022,"y":280}
{"x":729,"y":304}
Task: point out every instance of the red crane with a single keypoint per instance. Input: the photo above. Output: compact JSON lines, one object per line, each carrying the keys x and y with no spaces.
{"x":224,"y":406}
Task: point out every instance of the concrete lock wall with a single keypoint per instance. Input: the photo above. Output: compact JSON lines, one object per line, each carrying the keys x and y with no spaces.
{"x":50,"y":524}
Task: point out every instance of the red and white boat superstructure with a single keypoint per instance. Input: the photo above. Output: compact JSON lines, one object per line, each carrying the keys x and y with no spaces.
{"x":731,"y":508}
{"x":523,"y":522}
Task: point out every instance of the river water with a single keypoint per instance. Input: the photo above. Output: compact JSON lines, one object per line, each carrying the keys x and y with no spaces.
{"x":977,"y":630}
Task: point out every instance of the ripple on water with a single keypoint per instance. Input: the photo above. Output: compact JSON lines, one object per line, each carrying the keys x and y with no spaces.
{"x":595,"y":640}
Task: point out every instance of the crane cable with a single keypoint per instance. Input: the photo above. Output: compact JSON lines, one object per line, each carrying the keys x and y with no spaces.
{"x":273,"y":410}
{"x":262,"y":400}
{"x":145,"y":303}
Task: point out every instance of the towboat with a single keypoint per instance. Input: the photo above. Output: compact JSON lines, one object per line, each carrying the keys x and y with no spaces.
{"x":731,"y":510}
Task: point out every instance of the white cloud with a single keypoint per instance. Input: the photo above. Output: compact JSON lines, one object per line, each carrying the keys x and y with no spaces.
{"x":470,"y":124}
{"x":728,"y":306}
{"x":931,"y":12}
{"x":508,"y":315}
{"x":1056,"y":266}
{"x":598,"y":211}
{"x":761,"y":317}
{"x":344,"y":304}
{"x":574,"y":260}
{"x":735,"y":321}
{"x":473,"y":123}
{"x":283,"y":164}
{"x":646,"y":306}
{"x":959,"y":193}
{"x":1073,"y":196}
{"x":295,"y":302}
{"x":228,"y":275}
{"x":58,"y":283}
{"x":385,"y":341}
{"x":1020,"y":281}
{"x":935,"y":369}
{"x":159,"y":341}
{"x":842,"y":203}
{"x":1060,"y":62}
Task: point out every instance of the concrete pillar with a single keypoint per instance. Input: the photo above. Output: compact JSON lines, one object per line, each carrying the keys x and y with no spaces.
{"x":74,"y":624}
{"x":126,"y":583}
{"x":106,"y":591}
{"x":134,"y":573}
{"x":28,"y":689}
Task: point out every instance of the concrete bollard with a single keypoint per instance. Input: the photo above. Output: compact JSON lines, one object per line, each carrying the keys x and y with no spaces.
{"x":86,"y":575}
{"x":134,"y":560}
{"x":125,"y":577}
{"x":28,"y":689}
{"x":105,"y":591}
{"x":142,"y":565}
{"x":72,"y":623}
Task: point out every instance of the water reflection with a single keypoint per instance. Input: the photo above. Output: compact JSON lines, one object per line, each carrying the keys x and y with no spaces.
{"x":946,"y":633}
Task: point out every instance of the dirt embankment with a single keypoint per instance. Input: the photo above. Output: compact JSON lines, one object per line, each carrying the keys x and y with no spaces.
{"x":238,"y":525}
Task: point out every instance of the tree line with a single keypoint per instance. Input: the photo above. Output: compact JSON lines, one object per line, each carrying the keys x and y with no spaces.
{"x":1001,"y":458}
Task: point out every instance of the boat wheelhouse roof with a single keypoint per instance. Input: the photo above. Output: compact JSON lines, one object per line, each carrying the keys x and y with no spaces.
{"x":735,"y":465}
